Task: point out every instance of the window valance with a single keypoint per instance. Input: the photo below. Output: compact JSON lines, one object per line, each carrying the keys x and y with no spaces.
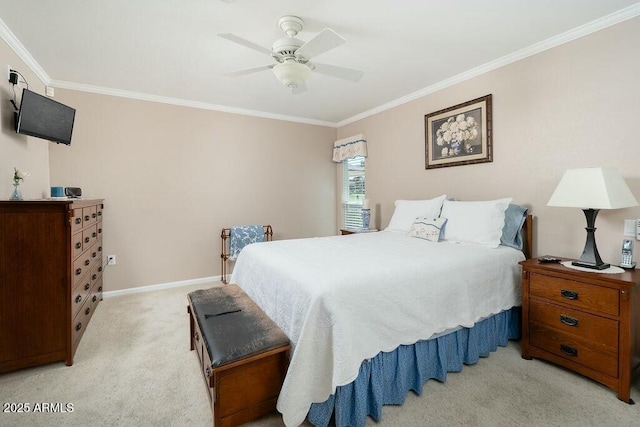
{"x":349,"y":147}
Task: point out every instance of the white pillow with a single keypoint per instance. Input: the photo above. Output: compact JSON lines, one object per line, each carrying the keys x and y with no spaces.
{"x":428,"y":228}
{"x":406,"y":211}
{"x":475,"y":222}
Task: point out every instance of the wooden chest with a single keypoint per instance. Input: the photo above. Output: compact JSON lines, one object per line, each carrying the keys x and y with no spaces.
{"x":243,"y":355}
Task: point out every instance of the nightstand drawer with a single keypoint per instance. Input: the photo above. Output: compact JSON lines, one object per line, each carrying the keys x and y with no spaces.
{"x":595,"y":329}
{"x":576,"y":294}
{"x":574,"y":348}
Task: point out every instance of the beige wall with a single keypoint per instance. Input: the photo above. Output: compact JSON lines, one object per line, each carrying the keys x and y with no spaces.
{"x":577,"y":105}
{"x":173,"y":177}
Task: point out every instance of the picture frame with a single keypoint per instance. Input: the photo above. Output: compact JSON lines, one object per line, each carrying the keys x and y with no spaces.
{"x":459,"y":135}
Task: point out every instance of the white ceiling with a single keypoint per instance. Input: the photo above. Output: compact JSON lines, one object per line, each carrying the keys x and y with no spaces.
{"x":169,"y":51}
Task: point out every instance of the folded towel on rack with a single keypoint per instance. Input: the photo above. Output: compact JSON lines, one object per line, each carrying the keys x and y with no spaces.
{"x":243,"y":235}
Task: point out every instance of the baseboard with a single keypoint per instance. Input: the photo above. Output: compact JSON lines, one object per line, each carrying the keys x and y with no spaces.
{"x":151,"y":288}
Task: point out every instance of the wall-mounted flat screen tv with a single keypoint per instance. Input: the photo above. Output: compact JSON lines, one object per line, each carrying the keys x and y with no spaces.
{"x":45,"y":118}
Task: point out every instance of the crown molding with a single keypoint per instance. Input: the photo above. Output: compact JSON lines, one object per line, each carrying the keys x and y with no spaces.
{"x":184,"y":103}
{"x":13,"y":42}
{"x":573,"y":34}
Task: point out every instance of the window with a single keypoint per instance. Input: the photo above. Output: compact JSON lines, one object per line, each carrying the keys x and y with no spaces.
{"x":352,"y":191}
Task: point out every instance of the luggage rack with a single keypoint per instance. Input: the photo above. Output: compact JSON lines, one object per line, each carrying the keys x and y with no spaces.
{"x":225,"y":236}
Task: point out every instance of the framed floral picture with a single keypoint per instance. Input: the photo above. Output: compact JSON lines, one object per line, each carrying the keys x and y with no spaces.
{"x":459,"y":135}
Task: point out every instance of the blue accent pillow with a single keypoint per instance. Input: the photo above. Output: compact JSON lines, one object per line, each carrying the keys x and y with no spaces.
{"x":431,"y":229}
{"x":514,"y":218}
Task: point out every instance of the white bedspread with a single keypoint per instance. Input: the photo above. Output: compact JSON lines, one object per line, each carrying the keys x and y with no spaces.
{"x":343,"y":299}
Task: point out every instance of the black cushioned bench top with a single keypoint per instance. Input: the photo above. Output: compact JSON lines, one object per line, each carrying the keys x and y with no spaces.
{"x":232,"y":325}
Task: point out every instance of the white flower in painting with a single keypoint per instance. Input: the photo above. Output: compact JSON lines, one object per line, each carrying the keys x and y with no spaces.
{"x":463,"y":125}
{"x":454,"y":126}
{"x":444,"y":127}
{"x":474,"y":133}
{"x":447,"y":137}
{"x":460,"y":118}
{"x":445,"y":152}
{"x":471,"y":121}
{"x":440,"y":141}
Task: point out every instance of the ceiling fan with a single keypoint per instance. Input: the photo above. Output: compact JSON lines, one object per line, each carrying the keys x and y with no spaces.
{"x":292,"y":56}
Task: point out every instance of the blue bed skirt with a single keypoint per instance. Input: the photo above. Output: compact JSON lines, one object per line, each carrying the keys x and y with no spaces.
{"x":387,"y":378}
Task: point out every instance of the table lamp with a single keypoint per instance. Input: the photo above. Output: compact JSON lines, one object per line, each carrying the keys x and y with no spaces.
{"x":592,"y":189}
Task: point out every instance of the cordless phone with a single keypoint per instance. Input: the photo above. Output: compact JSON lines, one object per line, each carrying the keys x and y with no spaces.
{"x":627,"y":254}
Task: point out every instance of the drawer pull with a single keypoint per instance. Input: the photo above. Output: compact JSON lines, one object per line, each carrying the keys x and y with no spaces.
{"x":93,"y":215}
{"x":86,"y":286}
{"x":197,"y":336}
{"x":99,"y":248}
{"x":569,"y":294}
{"x":94,"y":277}
{"x":93,"y":234}
{"x":569,"y":351}
{"x":100,"y":289}
{"x":94,"y":298}
{"x":208,"y":371}
{"x":78,"y":245}
{"x":87,"y":262}
{"x":93,"y":255}
{"x":87,"y":217}
{"x":79,"y":326}
{"x":78,"y":271}
{"x":78,"y":220}
{"x":86,"y":239}
{"x":100,"y":269}
{"x":87,"y":311}
{"x":99,"y":230}
{"x":78,"y":299}
{"x":569,"y":321}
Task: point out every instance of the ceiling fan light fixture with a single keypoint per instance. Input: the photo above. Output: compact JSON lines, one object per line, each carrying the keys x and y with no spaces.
{"x":291,"y":74}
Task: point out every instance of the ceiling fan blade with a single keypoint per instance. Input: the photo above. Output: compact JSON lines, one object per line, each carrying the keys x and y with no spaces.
{"x":248,"y":71}
{"x":246,"y":43}
{"x":339,"y":72}
{"x":300,"y":89}
{"x":325,"y":40}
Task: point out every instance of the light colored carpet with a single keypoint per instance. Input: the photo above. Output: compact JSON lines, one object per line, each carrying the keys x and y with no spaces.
{"x":134,"y":368}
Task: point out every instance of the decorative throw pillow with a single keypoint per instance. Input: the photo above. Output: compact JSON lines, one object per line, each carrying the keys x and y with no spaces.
{"x":428,"y":228}
{"x":475,"y":222}
{"x":407,"y":211}
{"x":514,"y":218}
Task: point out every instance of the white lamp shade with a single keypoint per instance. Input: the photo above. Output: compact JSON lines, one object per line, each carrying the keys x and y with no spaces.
{"x":292,"y":74}
{"x":592,"y":188}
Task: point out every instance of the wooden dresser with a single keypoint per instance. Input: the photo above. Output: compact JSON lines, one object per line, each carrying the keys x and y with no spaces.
{"x":585,"y":321}
{"x":50,"y":278}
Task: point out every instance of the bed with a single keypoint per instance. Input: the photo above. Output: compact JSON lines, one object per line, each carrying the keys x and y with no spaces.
{"x":374,"y":315}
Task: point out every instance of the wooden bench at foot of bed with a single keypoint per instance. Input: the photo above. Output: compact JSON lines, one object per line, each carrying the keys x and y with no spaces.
{"x":243,"y":354}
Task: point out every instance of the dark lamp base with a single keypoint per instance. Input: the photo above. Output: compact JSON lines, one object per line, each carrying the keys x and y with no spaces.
{"x":590,"y":265}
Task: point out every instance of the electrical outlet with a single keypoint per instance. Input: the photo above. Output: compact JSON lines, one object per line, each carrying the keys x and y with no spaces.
{"x":111,"y":260}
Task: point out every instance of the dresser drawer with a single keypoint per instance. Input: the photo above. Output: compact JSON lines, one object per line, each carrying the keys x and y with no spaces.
{"x":592,"y":328}
{"x":76,"y":220}
{"x":89,"y":215}
{"x":80,"y":322}
{"x":80,"y":295}
{"x":574,"y":348}
{"x":576,"y":294}
{"x":80,"y":267}
{"x":89,"y":236}
{"x":76,"y":244}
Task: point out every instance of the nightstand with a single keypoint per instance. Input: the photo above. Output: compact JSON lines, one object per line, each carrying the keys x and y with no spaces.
{"x":585,"y":321}
{"x":346,"y":231}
